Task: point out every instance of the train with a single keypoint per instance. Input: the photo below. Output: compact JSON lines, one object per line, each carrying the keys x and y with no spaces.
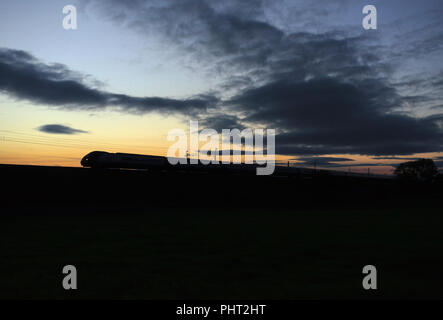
{"x":102,"y":159}
{"x":107,"y":160}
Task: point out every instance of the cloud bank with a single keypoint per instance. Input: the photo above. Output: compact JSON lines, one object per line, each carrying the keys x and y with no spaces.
{"x":24,"y":77}
{"x":326,"y":91}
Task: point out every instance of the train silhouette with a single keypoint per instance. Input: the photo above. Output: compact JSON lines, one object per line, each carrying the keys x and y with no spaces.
{"x":107,"y":160}
{"x":102,"y":159}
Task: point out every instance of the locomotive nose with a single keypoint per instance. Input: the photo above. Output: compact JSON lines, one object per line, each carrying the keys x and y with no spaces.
{"x":85,"y":161}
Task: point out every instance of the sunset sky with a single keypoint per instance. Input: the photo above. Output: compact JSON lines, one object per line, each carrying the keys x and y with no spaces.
{"x":338,"y":95}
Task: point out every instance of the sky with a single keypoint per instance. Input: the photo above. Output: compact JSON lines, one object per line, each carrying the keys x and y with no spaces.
{"x":338,"y":95}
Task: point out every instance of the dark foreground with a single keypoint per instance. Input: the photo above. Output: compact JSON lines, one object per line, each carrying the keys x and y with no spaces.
{"x":197,"y":236}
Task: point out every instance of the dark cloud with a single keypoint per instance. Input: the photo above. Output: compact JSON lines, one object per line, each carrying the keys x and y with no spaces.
{"x":397,"y":158}
{"x":330,"y":116}
{"x":204,"y":28}
{"x":59,"y":129}
{"x":221,"y":121}
{"x":333,"y":162}
{"x":358,"y":165}
{"x":22,"y":76}
{"x":322,"y":160}
{"x":423,"y":35}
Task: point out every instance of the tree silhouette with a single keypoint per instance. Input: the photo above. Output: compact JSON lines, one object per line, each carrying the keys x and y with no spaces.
{"x":419,"y":170}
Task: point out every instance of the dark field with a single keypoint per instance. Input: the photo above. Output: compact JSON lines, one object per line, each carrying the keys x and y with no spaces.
{"x":295,"y":238}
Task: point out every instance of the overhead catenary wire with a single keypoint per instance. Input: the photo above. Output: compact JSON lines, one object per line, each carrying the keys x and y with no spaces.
{"x":19,"y":137}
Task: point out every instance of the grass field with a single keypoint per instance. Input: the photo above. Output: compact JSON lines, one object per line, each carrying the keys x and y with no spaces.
{"x":216,"y":254}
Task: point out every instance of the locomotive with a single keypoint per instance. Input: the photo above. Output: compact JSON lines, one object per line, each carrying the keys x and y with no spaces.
{"x":102,"y":159}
